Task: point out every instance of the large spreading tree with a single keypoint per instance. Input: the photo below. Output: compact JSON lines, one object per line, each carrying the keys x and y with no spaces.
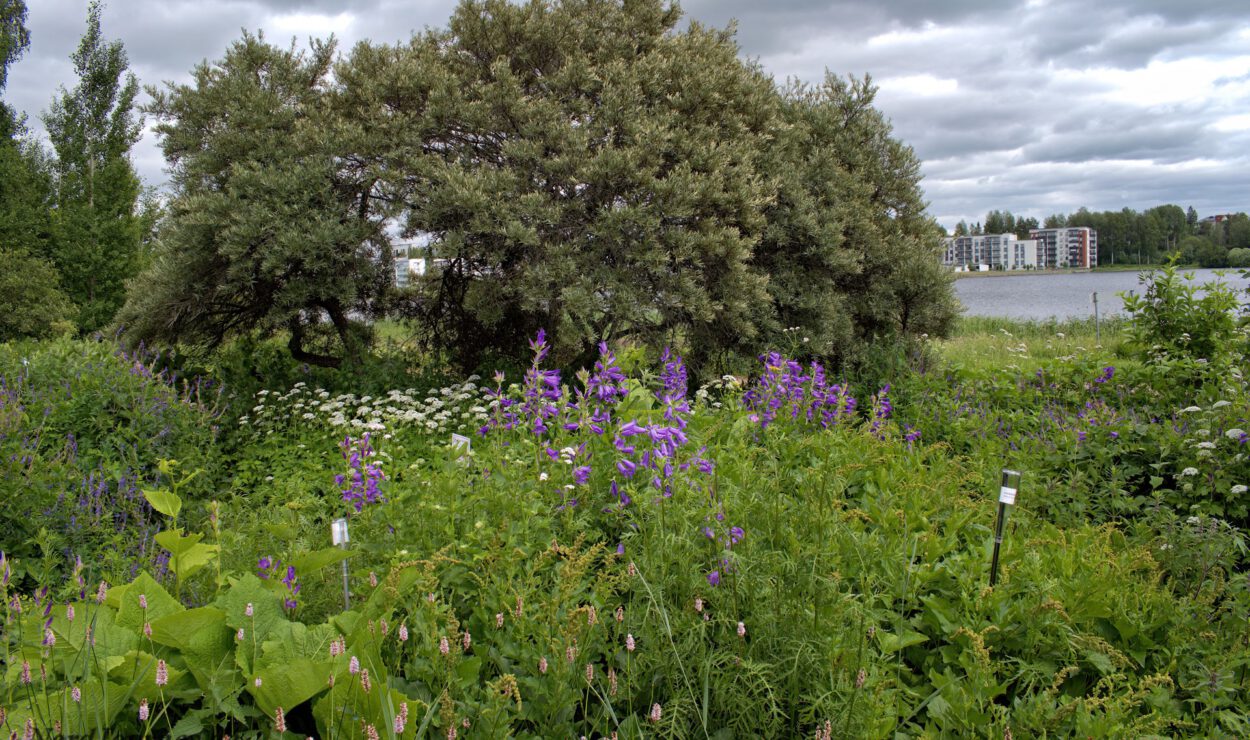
{"x":577,"y":165}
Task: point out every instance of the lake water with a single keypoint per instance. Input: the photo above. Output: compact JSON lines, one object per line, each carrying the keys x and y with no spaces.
{"x":1062,"y":296}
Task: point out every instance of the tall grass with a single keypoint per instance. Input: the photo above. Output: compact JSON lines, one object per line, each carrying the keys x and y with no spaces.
{"x":986,"y":343}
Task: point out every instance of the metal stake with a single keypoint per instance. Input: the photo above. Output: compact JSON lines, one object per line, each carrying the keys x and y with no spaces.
{"x":1006,"y":497}
{"x":1097,"y":330}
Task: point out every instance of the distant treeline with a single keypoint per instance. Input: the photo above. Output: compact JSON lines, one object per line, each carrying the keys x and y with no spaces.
{"x":1146,"y":237}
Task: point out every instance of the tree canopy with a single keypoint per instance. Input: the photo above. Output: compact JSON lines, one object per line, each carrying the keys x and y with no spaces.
{"x":267,"y":229}
{"x":95,"y":225}
{"x":578,"y":165}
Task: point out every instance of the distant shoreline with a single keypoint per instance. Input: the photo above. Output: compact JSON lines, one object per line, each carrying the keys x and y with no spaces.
{"x":1065,"y":271}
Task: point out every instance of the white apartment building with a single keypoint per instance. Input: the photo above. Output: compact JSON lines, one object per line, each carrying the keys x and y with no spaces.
{"x":1075,"y":246}
{"x":990,"y":252}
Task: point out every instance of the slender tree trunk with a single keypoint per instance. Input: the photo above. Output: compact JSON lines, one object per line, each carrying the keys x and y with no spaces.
{"x":338,"y":317}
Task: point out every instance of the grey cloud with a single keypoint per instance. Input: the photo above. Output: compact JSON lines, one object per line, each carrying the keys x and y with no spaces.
{"x":1166,"y":144}
{"x":1012,"y":134}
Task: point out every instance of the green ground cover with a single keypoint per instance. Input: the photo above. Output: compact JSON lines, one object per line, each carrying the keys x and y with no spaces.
{"x":632,"y":553}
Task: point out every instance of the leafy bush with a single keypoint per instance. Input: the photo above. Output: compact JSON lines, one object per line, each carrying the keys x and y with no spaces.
{"x":1174,"y":319}
{"x":32,"y":304}
{"x":83,"y":428}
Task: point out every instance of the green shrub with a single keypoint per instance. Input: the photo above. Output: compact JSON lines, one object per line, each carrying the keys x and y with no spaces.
{"x":82,"y":430}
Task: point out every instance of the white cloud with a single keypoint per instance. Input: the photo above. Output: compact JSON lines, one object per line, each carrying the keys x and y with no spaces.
{"x":1160,"y":82}
{"x":919,"y":85}
{"x":1239,"y":122}
{"x":311,"y":24}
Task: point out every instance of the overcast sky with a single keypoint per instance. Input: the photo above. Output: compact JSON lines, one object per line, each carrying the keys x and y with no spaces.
{"x":1037,"y":106}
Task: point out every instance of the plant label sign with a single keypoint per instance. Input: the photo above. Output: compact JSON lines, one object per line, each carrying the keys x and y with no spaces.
{"x":338,"y":532}
{"x":461,"y":442}
{"x":1007,"y":491}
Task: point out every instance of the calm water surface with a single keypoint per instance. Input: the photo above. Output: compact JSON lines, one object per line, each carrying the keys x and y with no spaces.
{"x":1056,"y":295}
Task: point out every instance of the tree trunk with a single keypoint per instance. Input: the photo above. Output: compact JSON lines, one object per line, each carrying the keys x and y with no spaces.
{"x":296,"y":346}
{"x":338,"y":317}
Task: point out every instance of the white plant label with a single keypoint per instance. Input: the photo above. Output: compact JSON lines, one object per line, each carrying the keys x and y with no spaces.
{"x":461,"y":442}
{"x":338,"y":532}
{"x":1007,"y":495}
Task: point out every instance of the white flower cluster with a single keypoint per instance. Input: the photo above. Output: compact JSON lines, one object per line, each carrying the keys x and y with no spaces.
{"x":456,"y":408}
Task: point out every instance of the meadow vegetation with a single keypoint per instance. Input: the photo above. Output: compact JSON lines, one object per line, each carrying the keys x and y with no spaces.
{"x":621,"y":552}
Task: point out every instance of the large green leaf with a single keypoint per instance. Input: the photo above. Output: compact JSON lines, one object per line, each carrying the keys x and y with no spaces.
{"x":290,"y":684}
{"x":295,"y":640}
{"x":891,"y":642}
{"x":137,"y":672}
{"x":164,"y":501}
{"x":130,"y":611}
{"x":267,"y":615}
{"x":187,"y":554}
{"x":318,"y":559}
{"x":180,"y":629}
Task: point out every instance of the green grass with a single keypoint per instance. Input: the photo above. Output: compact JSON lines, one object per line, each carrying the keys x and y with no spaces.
{"x":1024,"y":345}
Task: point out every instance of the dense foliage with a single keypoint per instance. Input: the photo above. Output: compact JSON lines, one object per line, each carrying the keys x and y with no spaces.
{"x":583,"y":166}
{"x":71,"y":215}
{"x":95,"y":222}
{"x":266,"y":231}
{"x":790,"y":555}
